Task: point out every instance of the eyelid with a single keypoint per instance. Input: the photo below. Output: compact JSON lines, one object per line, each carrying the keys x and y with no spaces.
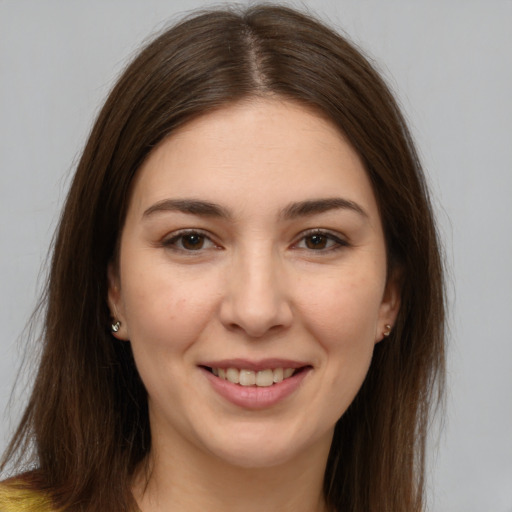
{"x":169,"y":241}
{"x":339,"y":240}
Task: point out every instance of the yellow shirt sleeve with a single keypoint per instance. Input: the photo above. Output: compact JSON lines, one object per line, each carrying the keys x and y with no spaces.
{"x":15,"y":499}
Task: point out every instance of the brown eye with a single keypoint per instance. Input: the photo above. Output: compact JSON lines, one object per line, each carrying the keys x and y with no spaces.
{"x":316,"y":242}
{"x":321,"y":241}
{"x":189,"y":241}
{"x":192,"y":242}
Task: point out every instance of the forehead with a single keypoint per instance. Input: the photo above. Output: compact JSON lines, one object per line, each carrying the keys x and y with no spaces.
{"x":254,"y":152}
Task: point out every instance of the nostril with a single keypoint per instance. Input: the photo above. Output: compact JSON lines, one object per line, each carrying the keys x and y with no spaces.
{"x":255,"y":306}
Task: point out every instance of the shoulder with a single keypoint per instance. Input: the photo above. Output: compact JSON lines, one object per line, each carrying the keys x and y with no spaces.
{"x":15,"y":497}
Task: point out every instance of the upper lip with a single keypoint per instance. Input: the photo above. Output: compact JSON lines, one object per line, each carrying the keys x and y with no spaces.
{"x":254,"y":365}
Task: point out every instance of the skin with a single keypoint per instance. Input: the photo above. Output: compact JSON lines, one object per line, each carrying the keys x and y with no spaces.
{"x":255,"y":284}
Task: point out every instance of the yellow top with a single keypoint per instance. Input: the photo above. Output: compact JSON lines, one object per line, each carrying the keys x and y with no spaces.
{"x":16,"y":499}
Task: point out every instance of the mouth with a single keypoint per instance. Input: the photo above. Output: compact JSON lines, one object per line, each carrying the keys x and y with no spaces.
{"x":255,"y":385}
{"x":258,"y":378}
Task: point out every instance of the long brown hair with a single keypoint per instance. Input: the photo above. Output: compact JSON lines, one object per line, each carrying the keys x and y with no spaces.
{"x":87,"y":416}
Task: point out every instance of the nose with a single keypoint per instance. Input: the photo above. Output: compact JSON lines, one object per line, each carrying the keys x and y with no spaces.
{"x":256,"y":300}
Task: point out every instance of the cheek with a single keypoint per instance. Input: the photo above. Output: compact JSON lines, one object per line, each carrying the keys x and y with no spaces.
{"x":342,"y":317}
{"x":167,"y":310}
{"x":343,"y":312}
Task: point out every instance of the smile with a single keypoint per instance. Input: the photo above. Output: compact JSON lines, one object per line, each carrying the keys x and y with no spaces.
{"x":261,"y":378}
{"x":258,"y":388}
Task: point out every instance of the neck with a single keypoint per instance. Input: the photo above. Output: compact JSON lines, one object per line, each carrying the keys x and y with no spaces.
{"x":176,"y":480}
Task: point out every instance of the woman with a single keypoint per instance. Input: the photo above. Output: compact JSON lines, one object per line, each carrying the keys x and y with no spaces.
{"x":245,"y":306}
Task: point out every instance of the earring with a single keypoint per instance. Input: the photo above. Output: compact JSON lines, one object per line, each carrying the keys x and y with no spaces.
{"x":387,"y":332}
{"x":115,"y":327}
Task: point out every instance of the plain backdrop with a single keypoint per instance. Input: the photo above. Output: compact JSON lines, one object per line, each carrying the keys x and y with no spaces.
{"x":450,"y":64}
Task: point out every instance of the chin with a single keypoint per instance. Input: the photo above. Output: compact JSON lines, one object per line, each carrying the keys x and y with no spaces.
{"x":262,"y":448}
{"x":255,"y":457}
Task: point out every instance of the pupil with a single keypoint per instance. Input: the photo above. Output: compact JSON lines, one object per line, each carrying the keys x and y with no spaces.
{"x":193,"y":242}
{"x":316,"y":242}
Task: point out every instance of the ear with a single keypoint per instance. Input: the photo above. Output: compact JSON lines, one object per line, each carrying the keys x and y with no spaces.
{"x":115,"y":303}
{"x":390,"y":305}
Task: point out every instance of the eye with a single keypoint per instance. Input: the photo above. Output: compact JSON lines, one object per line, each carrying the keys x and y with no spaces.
{"x":189,"y":241}
{"x":319,"y":240}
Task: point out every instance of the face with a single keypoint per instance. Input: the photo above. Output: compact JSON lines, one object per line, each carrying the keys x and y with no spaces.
{"x":252,"y":283}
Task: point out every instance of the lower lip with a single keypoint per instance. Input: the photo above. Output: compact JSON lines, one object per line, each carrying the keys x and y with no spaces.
{"x":256,"y":397}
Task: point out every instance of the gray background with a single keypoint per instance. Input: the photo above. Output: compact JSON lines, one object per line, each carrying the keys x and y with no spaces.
{"x":449,"y":62}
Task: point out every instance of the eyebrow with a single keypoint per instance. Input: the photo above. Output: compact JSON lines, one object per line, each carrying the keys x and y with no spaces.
{"x":316,"y":206}
{"x":294,"y":210}
{"x":191,"y":206}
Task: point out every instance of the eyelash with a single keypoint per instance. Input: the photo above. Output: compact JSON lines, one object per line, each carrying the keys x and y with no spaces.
{"x":336,"y":242}
{"x":172,"y":242}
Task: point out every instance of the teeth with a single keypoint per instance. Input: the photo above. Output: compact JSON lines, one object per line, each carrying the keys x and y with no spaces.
{"x":265,"y":378}
{"x":233,"y":375}
{"x":262,"y":378}
{"x":278,"y":375}
{"x":247,"y":378}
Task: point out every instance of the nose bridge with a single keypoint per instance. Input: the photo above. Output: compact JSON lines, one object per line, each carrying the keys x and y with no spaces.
{"x":256,"y":299}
